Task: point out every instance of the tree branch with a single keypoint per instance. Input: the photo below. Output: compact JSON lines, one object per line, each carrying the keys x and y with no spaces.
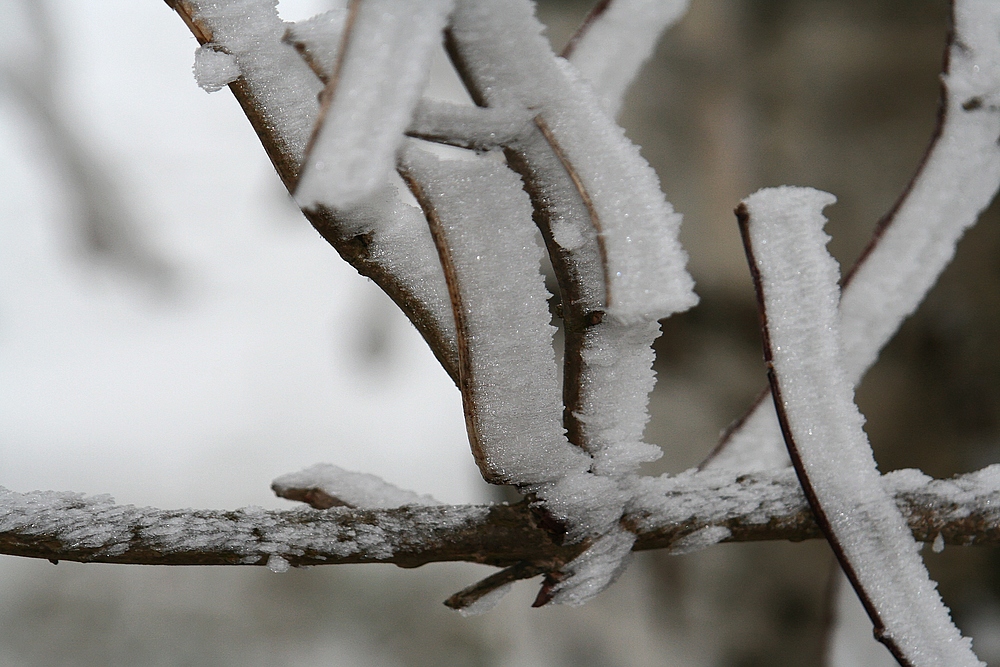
{"x":283,"y":123}
{"x":764,"y":506}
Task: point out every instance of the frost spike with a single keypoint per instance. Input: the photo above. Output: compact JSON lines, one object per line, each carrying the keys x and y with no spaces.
{"x":796,"y":283}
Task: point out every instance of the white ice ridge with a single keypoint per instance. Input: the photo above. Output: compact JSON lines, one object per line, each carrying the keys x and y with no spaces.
{"x":958,"y":180}
{"x":797,"y":283}
{"x":500,"y":42}
{"x":283,"y":88}
{"x":213,"y":70}
{"x":612,"y":48}
{"x":353,"y":489}
{"x":629,"y":227}
{"x":385,"y":62}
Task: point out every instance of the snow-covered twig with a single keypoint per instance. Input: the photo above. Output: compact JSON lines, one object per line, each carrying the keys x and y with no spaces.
{"x":796,"y":283}
{"x":382,"y":64}
{"x":384,"y":239}
{"x":915,"y":241}
{"x":617,"y":259}
{"x":616,"y":39}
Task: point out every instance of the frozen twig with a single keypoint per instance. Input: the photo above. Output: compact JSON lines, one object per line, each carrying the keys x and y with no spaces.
{"x":915,"y":241}
{"x":796,"y":283}
{"x":617,"y":259}
{"x":324,"y":485}
{"x":480,"y":219}
{"x":477,"y":128}
{"x":762,"y":506}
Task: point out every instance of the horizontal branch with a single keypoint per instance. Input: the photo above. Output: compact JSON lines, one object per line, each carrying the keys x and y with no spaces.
{"x":666,"y":513}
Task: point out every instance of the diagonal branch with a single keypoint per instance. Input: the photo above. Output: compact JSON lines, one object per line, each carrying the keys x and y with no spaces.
{"x":616,"y":38}
{"x":796,"y":284}
{"x":915,"y":241}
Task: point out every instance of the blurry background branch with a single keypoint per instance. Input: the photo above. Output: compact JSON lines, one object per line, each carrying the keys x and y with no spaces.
{"x":106,"y":228}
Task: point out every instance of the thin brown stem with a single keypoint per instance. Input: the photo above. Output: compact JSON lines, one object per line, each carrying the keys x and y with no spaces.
{"x":593,"y":15}
{"x":471,"y":594}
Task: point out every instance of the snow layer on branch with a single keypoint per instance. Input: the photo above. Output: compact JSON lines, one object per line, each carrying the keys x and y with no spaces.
{"x":355,"y":489}
{"x":280,"y":82}
{"x":797,"y":281}
{"x":501,"y":43}
{"x":620,"y":242}
{"x":467,"y":126}
{"x":250,"y":535}
{"x":370,"y":99}
{"x":509,"y":382}
{"x":213,"y":70}
{"x":614,"y":45}
{"x":957,"y":181}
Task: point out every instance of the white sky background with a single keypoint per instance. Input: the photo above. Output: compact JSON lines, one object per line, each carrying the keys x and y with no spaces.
{"x":252,"y":369}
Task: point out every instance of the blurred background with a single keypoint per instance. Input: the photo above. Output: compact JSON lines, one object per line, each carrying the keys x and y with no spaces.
{"x":174,"y":333}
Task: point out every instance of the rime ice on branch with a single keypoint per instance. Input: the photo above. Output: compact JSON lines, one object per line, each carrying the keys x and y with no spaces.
{"x":619,"y":264}
{"x":612,"y":240}
{"x":916,"y":240}
{"x":382,"y":237}
{"x":324,"y":486}
{"x":796,"y":282}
